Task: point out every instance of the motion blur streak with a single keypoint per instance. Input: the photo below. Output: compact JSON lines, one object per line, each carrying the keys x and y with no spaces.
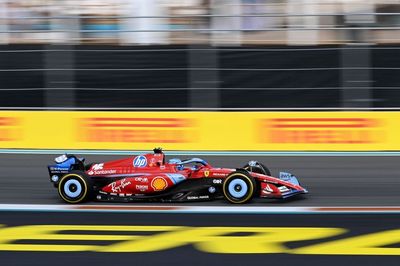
{"x":151,"y":237}
{"x":207,"y":239}
{"x":206,"y":131}
{"x":184,"y":21}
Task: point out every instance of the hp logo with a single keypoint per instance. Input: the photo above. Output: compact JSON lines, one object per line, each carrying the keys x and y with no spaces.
{"x":140,"y":161}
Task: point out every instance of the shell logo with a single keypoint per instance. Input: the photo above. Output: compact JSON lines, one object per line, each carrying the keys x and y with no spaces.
{"x":159,"y":183}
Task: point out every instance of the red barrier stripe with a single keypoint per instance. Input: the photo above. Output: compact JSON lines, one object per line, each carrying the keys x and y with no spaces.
{"x":163,"y":122}
{"x":133,"y":119}
{"x":320,"y":119}
{"x":321,"y":126}
{"x":7,"y":121}
{"x":136,"y":125}
{"x":319,"y":122}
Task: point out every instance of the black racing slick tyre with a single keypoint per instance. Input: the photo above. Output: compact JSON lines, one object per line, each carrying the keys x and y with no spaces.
{"x":75,"y":187}
{"x":239,"y":187}
{"x":259,"y":168}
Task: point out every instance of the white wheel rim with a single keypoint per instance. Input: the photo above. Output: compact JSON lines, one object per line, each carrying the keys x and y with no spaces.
{"x":238,"y":188}
{"x":69,"y":192}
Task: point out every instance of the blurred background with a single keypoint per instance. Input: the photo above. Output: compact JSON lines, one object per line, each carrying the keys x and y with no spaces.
{"x":200,"y":54}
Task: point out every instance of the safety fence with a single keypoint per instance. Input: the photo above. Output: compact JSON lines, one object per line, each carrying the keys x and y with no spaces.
{"x":198,"y":77}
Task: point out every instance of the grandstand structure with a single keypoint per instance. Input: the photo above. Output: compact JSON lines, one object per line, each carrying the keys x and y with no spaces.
{"x":217,"y":22}
{"x":200,"y":54}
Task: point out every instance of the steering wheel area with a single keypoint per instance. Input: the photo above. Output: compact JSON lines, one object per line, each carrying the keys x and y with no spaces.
{"x":197,"y":163}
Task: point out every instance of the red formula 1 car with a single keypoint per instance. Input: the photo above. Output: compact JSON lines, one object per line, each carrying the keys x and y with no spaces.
{"x":150,"y":178}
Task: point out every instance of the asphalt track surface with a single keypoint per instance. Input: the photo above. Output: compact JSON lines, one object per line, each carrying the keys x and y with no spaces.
{"x":331,"y":181}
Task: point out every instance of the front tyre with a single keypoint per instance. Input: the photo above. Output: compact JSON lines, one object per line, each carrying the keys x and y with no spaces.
{"x":75,"y":188}
{"x":239,"y":187}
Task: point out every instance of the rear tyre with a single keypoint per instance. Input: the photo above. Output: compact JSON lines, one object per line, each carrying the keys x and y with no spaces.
{"x":75,"y":187}
{"x":258,"y":168}
{"x":239,"y":187}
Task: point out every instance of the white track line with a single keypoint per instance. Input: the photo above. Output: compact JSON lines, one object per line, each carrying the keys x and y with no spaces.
{"x":132,"y":208}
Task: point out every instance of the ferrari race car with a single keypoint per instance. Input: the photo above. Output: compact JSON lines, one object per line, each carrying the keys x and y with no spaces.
{"x":149,"y":177}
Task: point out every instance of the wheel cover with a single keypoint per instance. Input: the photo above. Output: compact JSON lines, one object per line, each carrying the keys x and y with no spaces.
{"x":72,"y":188}
{"x":238,"y":188}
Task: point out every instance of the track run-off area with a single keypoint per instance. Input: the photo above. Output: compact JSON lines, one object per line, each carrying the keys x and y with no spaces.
{"x":350,"y":216}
